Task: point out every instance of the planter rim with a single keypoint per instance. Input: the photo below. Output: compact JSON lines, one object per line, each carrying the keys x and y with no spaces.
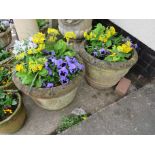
{"x":18,"y":107}
{"x":53,"y":91}
{"x":104,"y":64}
{"x":6,"y":32}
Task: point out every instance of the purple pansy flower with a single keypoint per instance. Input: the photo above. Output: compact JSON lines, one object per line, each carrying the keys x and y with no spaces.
{"x":60,"y":63}
{"x":48,"y":68}
{"x":49,"y":85}
{"x":102,"y":51}
{"x":63,"y":71}
{"x":95,"y":53}
{"x":64,"y":80}
{"x":134,"y":46}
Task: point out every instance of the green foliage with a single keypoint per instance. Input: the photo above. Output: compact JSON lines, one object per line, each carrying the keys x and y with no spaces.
{"x":42,"y":22}
{"x":4,"y":54}
{"x":99,"y":29}
{"x":114,"y":47}
{"x":69,"y":121}
{"x":7,"y":101}
{"x":5,"y":76}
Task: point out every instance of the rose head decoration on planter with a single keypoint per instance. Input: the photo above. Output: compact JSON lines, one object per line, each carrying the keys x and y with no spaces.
{"x":47,"y":69}
{"x":5,"y":34}
{"x":43,"y":24}
{"x":12,"y":111}
{"x":78,"y":26}
{"x":107,"y":55}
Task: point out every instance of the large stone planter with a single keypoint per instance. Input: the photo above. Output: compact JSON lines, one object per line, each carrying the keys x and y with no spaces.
{"x":14,"y":122}
{"x":78,"y":26}
{"x":5,"y":38}
{"x":101,"y":74}
{"x":51,"y":99}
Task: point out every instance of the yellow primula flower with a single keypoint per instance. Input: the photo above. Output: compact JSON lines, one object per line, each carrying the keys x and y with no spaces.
{"x":86,"y":36}
{"x":30,"y":51}
{"x":112,"y":30}
{"x":101,"y":38}
{"x":38,"y":38}
{"x":128,"y":43}
{"x":19,"y":68}
{"x":108,"y":34}
{"x":35,"y":67}
{"x":7,"y":111}
{"x":125,"y":48}
{"x":40,"y":67}
{"x":53,"y":31}
{"x":92,"y":35}
{"x":69,"y":35}
{"x":40,"y":47}
{"x":105,"y":40}
{"x":52,"y":39}
{"x":20,"y":56}
{"x":120,"y":48}
{"x":113,"y":54}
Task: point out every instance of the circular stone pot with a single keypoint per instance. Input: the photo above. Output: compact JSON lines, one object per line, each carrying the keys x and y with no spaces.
{"x":5,"y":38}
{"x":15,"y":121}
{"x":78,"y":26}
{"x":101,"y":74}
{"x":51,"y":99}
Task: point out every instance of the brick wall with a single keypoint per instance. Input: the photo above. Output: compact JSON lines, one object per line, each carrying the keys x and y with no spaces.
{"x":146,"y":63}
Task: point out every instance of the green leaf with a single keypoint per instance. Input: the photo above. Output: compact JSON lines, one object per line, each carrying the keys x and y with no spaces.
{"x":60,"y":46}
{"x":27,"y":80}
{"x":38,"y":83}
{"x":21,"y":75}
{"x":14,"y":102}
{"x":108,"y":43}
{"x":43,"y":72}
{"x":2,"y":95}
{"x":70,"y":53}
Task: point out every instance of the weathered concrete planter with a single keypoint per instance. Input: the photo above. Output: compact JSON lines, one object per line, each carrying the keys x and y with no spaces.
{"x":14,"y":122}
{"x":51,"y":99}
{"x":5,"y":38}
{"x":101,"y":74}
{"x":78,"y":26}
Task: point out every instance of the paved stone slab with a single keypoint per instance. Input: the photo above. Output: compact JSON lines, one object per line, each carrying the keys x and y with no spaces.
{"x":133,"y":114}
{"x":40,"y":121}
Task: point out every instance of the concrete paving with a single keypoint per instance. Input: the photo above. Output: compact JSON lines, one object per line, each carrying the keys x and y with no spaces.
{"x":40,"y":121}
{"x":132,"y":115}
